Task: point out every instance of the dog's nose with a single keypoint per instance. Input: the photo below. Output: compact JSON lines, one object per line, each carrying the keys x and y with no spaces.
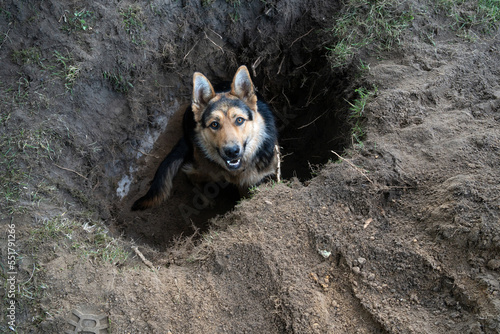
{"x":232,"y":151}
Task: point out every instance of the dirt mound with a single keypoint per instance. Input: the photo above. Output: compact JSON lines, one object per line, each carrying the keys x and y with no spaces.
{"x":402,"y":235}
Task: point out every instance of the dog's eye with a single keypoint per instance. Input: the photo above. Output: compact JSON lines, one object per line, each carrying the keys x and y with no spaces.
{"x":214,"y":125}
{"x":240,"y":120}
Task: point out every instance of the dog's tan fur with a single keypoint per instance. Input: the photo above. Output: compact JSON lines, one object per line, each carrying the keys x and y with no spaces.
{"x":225,"y":114}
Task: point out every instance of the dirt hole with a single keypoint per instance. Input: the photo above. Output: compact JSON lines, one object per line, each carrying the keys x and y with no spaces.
{"x":312,"y":119}
{"x":309,"y":101}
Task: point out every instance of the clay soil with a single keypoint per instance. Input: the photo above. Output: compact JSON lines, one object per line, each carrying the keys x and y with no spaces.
{"x":401,"y":235}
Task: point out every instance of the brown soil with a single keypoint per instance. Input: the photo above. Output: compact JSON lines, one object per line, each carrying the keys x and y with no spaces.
{"x":403,"y":236}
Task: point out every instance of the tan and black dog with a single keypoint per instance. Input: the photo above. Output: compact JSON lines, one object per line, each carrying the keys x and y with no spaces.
{"x":229,"y":136}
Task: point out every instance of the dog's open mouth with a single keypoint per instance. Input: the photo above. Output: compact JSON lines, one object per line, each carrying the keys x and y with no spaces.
{"x":233,"y":164}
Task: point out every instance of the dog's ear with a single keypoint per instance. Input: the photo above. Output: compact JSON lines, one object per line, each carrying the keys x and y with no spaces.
{"x":203,"y":92}
{"x":242,"y":87}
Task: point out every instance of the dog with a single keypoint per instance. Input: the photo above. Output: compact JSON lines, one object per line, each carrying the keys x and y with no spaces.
{"x":229,"y":136}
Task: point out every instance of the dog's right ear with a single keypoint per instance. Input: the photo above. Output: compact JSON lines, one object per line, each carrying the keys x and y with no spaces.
{"x":203,"y":92}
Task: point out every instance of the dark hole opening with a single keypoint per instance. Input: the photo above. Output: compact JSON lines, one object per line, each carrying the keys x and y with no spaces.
{"x":309,"y":101}
{"x":311,"y":115}
{"x":312,"y":118}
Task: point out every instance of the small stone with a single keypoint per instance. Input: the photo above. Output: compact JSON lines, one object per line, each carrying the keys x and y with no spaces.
{"x":356,"y":270}
{"x":371,"y":276}
{"x":493,"y":264}
{"x":324,"y":253}
{"x":361,"y":261}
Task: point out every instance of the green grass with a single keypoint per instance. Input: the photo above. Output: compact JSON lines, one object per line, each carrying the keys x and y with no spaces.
{"x":20,"y":93}
{"x":79,"y":20}
{"x":27,"y":56}
{"x":18,"y":152}
{"x":479,"y":15}
{"x":357,"y":111}
{"x":13,"y":180}
{"x":133,"y":24}
{"x":83,"y":236}
{"x":100,"y":246}
{"x":363,"y":22}
{"x":66,"y":69}
{"x":60,"y":65}
{"x":119,"y":81}
{"x":6,"y":14}
{"x":380,"y":24}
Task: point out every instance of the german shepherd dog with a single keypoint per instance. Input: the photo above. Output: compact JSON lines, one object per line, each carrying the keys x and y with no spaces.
{"x":229,"y":136}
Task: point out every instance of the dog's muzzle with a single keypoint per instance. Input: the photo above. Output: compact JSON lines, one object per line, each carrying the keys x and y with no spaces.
{"x":232,"y":156}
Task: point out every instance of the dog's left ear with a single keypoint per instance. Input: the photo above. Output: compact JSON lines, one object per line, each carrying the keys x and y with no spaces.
{"x":242,"y":87}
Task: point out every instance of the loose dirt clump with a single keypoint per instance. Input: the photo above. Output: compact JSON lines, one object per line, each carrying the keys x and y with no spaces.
{"x":401,"y":234}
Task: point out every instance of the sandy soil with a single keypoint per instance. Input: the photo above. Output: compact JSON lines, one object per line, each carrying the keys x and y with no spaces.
{"x":402,"y":235}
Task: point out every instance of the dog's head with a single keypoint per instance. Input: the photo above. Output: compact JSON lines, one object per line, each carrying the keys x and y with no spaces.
{"x":228,"y":124}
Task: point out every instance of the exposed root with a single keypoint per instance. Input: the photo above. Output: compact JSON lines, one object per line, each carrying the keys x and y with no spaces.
{"x":354,"y":166}
{"x":143,"y":258}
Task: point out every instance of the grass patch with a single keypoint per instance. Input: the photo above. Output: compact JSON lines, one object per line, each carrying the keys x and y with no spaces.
{"x":66,"y":69}
{"x":6,"y":14}
{"x":13,"y":179}
{"x":20,"y":92}
{"x":363,"y":22}
{"x":18,"y":152}
{"x":27,"y":56}
{"x":62,"y":66}
{"x":119,"y":82}
{"x":38,"y":143}
{"x":479,"y":15}
{"x":357,"y":111}
{"x":381,"y":24}
{"x":133,"y":23}
{"x":86,"y":238}
{"x":79,"y":20}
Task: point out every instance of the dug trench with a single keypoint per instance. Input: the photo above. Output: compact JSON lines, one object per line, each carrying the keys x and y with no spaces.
{"x":312,"y":116}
